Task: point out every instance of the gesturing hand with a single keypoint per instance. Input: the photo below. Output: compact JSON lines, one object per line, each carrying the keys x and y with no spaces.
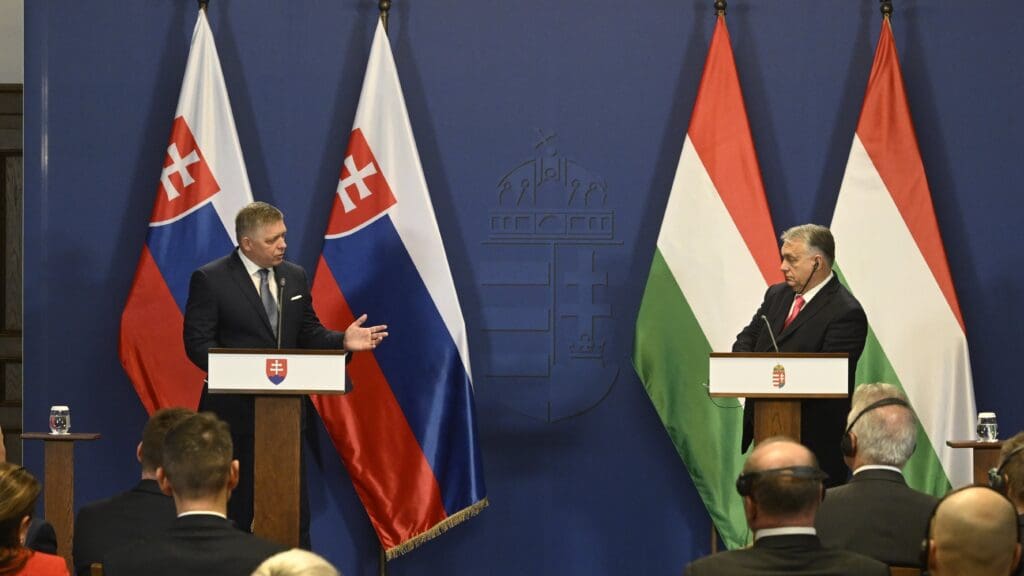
{"x":358,"y":337}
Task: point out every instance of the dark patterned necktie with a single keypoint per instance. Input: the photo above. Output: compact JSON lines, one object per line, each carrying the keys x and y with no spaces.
{"x":268,"y":299}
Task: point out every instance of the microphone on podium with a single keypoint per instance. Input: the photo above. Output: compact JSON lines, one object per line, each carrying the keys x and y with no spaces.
{"x":770,"y":333}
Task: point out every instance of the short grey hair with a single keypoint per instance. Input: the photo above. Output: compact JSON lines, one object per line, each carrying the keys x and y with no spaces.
{"x":817,"y":237}
{"x":887,"y":435}
{"x":253,"y":216}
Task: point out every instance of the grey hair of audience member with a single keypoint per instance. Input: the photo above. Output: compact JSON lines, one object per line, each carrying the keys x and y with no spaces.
{"x":886,"y":435}
{"x":296,"y":562}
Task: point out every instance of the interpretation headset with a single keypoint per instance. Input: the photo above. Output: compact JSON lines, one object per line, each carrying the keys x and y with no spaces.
{"x":846,"y":443}
{"x":745,"y":483}
{"x":997,"y":479}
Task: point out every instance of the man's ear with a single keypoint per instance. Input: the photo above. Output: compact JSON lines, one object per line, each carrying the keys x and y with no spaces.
{"x":138,"y":452}
{"x":233,"y":476}
{"x":165,"y":484}
{"x":749,"y":509}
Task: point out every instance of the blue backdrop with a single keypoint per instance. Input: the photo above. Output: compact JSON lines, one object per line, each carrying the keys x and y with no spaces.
{"x":582,"y":477}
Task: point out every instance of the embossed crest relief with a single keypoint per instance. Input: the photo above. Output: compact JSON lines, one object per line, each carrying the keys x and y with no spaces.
{"x":547,"y":315}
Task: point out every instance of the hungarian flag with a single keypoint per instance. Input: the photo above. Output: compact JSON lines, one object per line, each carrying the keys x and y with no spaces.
{"x":892,"y":258}
{"x":407,"y":431}
{"x":716,"y":255}
{"x":202,"y":186}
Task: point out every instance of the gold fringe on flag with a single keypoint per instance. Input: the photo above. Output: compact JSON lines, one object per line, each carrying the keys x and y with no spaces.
{"x":436,"y":530}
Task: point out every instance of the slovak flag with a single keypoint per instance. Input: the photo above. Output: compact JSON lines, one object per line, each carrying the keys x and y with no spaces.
{"x":202,"y":186}
{"x":407,"y":431}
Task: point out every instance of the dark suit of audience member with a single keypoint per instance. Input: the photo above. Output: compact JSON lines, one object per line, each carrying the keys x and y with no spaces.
{"x":138,"y":513}
{"x":109,"y":524}
{"x":831,"y":320}
{"x":200,"y":473}
{"x":781,"y":487}
{"x":876,"y":513}
{"x":195,"y":545}
{"x":41,"y":536}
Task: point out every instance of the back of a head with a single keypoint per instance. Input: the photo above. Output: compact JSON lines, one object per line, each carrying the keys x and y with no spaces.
{"x":197,"y":456}
{"x":19,"y":490}
{"x":973,"y":531}
{"x":1012,"y":458}
{"x":154,"y":433}
{"x":886,"y":435}
{"x":296,"y":562}
{"x":786,"y":482}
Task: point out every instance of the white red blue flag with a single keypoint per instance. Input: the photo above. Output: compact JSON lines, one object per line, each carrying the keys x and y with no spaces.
{"x":202,"y":186}
{"x":407,"y":431}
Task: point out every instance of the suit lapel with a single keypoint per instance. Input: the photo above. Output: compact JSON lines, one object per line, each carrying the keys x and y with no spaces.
{"x":818,"y":303}
{"x":244,"y":284}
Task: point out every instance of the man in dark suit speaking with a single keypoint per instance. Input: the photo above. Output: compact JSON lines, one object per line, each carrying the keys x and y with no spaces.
{"x":809,"y":312}
{"x":253,"y":298}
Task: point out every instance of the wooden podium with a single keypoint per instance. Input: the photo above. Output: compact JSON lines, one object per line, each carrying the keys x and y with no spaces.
{"x":779,"y":381}
{"x":278,"y":379}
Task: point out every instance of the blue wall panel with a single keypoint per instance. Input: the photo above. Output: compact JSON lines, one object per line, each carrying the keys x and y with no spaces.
{"x":582,"y":477}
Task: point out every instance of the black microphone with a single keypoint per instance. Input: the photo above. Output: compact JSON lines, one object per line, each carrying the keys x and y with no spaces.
{"x":280,"y":308}
{"x":770,"y":333}
{"x":808,"y":281}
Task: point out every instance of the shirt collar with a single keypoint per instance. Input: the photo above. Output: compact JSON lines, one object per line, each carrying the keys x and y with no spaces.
{"x":251,"y":267}
{"x":785,"y":531}
{"x":877,"y":467}
{"x":814,"y":291}
{"x":202,"y":513}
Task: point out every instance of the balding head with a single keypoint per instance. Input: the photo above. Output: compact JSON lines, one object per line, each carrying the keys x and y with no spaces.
{"x":784,"y":485}
{"x":973,"y":532}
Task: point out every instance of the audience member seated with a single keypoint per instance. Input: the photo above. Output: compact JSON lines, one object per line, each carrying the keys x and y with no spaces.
{"x":19,"y":491}
{"x":296,"y":562}
{"x":876,"y":513}
{"x":1008,"y":478}
{"x":973,"y":533}
{"x":138,"y":513}
{"x":199,"y":474}
{"x":41,"y":536}
{"x":781,"y":486}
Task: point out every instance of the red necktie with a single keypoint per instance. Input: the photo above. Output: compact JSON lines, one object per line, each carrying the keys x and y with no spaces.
{"x":798,"y":304}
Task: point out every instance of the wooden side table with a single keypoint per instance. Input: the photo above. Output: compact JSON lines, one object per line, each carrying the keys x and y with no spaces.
{"x":59,"y":485}
{"x":986,"y":456}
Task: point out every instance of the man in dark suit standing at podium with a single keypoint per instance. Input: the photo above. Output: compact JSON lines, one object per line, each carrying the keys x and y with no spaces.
{"x":809,"y":312}
{"x":243,"y":300}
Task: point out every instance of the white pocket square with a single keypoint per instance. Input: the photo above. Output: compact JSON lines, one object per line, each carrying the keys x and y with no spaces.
{"x":296,"y":297}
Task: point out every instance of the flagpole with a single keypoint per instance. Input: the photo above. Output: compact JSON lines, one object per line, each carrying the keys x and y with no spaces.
{"x":384,"y":6}
{"x":886,"y":7}
{"x":720,"y":8}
